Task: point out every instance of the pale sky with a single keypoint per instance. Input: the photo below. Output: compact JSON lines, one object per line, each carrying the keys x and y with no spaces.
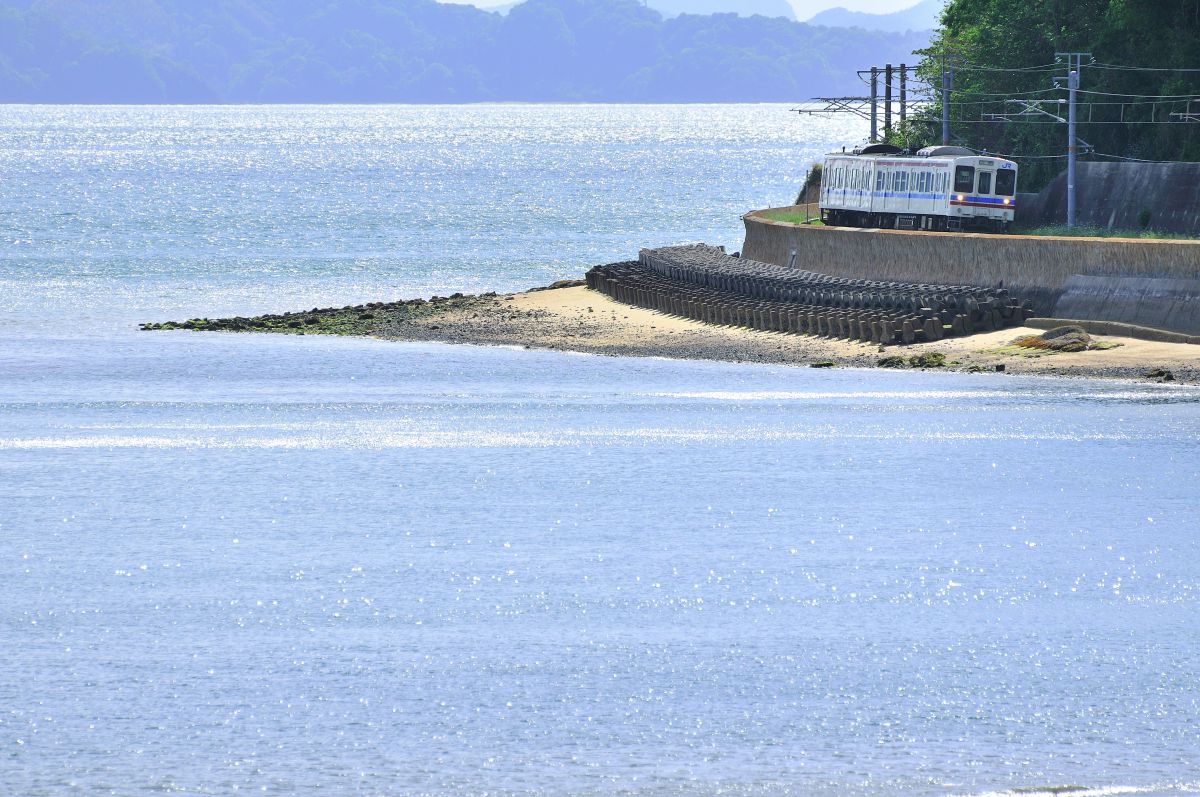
{"x":804,"y":8}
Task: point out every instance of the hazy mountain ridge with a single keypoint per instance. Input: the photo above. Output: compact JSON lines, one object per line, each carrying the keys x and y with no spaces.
{"x":416,"y":51}
{"x":745,"y":8}
{"x":923,"y":16}
{"x":672,"y":8}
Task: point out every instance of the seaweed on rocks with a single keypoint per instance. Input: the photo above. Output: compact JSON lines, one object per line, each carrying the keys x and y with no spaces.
{"x":358,"y":319}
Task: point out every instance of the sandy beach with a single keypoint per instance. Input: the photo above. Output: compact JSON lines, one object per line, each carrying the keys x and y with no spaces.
{"x":582,"y":320}
{"x":575,"y":318}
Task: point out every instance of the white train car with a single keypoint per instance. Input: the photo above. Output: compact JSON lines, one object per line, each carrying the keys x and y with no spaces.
{"x":940,"y":188}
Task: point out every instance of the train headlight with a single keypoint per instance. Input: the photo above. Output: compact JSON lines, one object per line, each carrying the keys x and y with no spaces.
{"x":960,"y":197}
{"x":1008,"y":201}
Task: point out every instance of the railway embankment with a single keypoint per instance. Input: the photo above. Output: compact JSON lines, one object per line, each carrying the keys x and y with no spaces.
{"x":1141,"y":282}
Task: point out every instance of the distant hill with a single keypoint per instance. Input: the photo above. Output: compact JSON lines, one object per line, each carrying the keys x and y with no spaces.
{"x":923,"y":16}
{"x":673,"y":8}
{"x":185,"y":51}
{"x":745,"y":8}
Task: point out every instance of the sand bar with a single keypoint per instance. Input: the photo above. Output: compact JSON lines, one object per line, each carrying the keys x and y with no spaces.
{"x":581,"y":320}
{"x":578,"y":319}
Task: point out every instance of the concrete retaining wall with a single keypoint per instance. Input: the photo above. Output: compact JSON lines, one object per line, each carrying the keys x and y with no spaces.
{"x":1114,"y":196}
{"x":1032,"y":267}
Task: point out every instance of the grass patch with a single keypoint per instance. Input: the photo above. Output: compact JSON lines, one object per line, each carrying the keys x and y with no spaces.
{"x":1013,"y":350}
{"x":1063,"y":230}
{"x":1018,"y":350}
{"x":791,"y":217}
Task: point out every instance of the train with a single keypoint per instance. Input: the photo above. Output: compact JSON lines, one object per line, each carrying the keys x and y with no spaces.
{"x":939,"y":189}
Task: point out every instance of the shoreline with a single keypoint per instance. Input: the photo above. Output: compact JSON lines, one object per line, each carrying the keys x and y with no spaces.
{"x":570,"y":317}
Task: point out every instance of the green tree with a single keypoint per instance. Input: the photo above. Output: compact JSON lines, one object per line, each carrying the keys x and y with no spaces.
{"x":1006,"y":49}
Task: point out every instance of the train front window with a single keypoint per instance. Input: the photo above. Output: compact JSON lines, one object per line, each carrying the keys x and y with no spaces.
{"x":1006,"y":182}
{"x":964,"y":178}
{"x":985,"y":182}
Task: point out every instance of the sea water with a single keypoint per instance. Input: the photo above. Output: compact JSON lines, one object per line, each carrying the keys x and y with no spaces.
{"x":329,"y":566}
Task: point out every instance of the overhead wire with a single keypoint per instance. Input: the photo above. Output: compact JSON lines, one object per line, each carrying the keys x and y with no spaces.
{"x":1148,"y":97}
{"x":982,"y":68}
{"x":1123,"y":158}
{"x":1119,"y":67}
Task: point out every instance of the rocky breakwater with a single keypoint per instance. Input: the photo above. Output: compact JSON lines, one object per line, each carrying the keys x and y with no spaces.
{"x":374,"y":318}
{"x":704,"y":283}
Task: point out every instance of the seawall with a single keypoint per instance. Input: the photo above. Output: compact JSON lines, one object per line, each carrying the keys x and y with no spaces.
{"x":1121,"y":196}
{"x":1151,"y":283}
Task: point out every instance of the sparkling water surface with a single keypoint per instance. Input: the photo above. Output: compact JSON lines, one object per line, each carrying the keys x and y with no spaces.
{"x":310,"y":565}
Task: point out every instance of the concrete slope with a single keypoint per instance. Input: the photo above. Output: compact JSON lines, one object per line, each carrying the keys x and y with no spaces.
{"x":1120,"y":196}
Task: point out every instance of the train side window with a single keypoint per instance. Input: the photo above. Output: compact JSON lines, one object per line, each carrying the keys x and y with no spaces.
{"x":879,"y":178}
{"x":942,"y":183}
{"x":1006,"y":182}
{"x":985,"y":182}
{"x":964,"y":178}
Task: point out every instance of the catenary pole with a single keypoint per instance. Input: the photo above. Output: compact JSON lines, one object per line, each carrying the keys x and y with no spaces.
{"x":874,"y":104}
{"x":946,"y":86}
{"x":887,"y":100}
{"x":1072,"y":146}
{"x":1074,"y":67}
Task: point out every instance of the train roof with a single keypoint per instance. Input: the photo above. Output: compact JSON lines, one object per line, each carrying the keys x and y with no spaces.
{"x":890,"y":150}
{"x":944,"y":152}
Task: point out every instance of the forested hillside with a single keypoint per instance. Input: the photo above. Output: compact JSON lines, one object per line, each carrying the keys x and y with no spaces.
{"x":1006,"y":49}
{"x":418,"y":51}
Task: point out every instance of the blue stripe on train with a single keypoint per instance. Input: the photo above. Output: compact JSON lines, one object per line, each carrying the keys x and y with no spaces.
{"x":985,"y":200}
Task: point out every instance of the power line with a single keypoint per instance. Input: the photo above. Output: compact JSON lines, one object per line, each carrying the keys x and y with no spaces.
{"x":1134,"y":160}
{"x":980,"y":68}
{"x":1192,"y":96}
{"x":1120,"y":68}
{"x":1006,"y":93}
{"x":1024,"y":122}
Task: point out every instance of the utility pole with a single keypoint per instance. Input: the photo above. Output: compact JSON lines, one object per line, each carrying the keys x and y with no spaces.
{"x":1074,"y":65}
{"x":947,"y":85}
{"x":874,"y":104}
{"x":1072,"y":148}
{"x":867,"y":107}
{"x":887,"y":100}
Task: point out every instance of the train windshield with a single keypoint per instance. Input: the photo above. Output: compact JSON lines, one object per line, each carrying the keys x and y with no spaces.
{"x":964,"y":179}
{"x":1006,"y":182}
